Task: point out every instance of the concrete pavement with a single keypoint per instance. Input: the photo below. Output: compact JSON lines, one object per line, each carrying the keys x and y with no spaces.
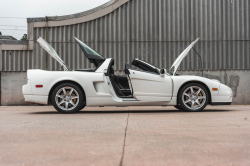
{"x":125,"y":136}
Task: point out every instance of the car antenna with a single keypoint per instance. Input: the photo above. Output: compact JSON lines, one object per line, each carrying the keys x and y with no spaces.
{"x":200,"y":60}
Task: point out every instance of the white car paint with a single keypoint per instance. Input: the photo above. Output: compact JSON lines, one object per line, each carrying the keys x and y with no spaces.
{"x":148,"y":88}
{"x":151,"y":87}
{"x":224,"y":93}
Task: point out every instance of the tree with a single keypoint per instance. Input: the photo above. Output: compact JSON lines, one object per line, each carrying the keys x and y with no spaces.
{"x":24,"y":37}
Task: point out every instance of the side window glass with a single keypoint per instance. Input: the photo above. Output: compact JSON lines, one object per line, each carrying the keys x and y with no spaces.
{"x":143,"y":67}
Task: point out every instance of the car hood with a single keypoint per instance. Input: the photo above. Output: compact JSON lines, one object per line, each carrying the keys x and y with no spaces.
{"x":179,"y":59}
{"x":45,"y":45}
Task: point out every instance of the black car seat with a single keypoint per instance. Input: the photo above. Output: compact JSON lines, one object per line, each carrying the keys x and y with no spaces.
{"x":127,"y":66}
{"x":117,"y":82}
{"x":115,"y":86}
{"x":125,"y":91}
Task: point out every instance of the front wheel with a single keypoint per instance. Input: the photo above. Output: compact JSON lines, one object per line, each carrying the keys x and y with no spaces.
{"x":178,"y":107}
{"x":67,"y":98}
{"x":193,"y":97}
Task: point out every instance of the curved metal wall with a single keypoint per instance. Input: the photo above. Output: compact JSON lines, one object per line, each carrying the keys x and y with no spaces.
{"x":156,"y":31}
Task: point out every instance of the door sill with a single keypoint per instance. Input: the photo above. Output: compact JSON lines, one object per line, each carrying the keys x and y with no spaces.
{"x":129,"y":99}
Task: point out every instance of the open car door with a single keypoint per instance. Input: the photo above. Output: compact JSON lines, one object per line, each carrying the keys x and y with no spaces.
{"x":149,"y":86}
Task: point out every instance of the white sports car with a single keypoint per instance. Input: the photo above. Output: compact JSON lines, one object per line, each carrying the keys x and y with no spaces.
{"x":144,"y":84}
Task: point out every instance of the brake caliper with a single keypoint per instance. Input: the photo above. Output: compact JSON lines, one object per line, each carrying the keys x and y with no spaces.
{"x":200,"y":95}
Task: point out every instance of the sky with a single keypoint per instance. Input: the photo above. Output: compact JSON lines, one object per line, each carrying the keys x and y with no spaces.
{"x":22,"y":9}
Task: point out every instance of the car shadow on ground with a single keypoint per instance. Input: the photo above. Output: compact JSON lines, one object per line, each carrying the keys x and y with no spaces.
{"x":133,"y":111}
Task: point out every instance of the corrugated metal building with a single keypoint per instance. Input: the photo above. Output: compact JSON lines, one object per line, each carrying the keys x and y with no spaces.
{"x":154,"y":30}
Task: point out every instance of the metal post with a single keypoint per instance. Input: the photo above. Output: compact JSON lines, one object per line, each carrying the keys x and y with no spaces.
{"x":46,"y":38}
{"x":200,"y":60}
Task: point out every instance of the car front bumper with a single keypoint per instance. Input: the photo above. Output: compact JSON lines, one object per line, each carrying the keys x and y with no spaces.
{"x":224,"y":97}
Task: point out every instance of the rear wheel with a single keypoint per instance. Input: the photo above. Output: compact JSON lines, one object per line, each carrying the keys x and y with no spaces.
{"x":193,"y":97}
{"x":68,"y":98}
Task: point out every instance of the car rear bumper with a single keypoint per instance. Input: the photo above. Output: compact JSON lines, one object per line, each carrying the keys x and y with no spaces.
{"x":26,"y":89}
{"x":36,"y":99}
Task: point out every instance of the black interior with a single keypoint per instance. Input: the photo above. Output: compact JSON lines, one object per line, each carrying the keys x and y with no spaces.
{"x":119,"y":83}
{"x":86,"y":70}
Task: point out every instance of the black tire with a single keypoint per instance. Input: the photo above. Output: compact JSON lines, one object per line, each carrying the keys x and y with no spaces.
{"x":194,"y":102}
{"x":70,"y":102}
{"x":83,"y":106}
{"x":178,"y":107}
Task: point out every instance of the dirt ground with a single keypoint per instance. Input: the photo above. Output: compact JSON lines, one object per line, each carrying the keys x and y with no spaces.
{"x":38,"y":135}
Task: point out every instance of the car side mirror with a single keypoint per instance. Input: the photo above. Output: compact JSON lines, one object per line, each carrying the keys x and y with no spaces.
{"x":163,"y":72}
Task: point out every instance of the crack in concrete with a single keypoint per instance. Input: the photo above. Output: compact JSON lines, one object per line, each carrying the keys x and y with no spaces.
{"x":124,"y":142}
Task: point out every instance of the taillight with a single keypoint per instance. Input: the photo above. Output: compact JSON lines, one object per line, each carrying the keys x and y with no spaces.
{"x":39,"y":86}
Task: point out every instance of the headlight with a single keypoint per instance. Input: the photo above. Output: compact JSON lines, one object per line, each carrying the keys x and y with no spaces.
{"x":216,"y":80}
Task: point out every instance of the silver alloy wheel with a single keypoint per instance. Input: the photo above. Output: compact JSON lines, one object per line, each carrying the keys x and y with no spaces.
{"x":194,"y":97}
{"x":67,"y":98}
